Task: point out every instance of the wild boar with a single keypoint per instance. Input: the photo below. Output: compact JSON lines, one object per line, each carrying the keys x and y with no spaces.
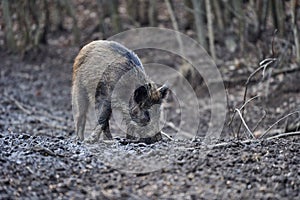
{"x":107,"y":76}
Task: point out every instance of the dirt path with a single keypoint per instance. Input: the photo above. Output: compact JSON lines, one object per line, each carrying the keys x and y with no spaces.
{"x":39,"y":159}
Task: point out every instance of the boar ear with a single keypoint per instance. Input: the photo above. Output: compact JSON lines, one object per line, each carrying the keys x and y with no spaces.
{"x":140,"y":94}
{"x":164,"y":90}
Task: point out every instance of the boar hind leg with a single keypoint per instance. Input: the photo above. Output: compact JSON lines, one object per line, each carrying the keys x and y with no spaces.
{"x":80,"y":107}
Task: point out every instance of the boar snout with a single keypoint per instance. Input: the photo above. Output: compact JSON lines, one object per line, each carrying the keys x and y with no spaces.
{"x":142,"y":101}
{"x":141,"y":117}
{"x":146,"y":119}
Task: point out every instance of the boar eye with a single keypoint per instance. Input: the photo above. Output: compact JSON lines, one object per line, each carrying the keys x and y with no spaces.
{"x":140,"y":94}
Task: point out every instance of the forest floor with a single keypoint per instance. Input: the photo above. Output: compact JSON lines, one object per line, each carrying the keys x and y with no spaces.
{"x":40,"y":159}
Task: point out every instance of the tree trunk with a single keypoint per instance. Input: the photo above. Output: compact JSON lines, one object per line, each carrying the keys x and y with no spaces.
{"x":115,"y":18}
{"x":71,"y":12}
{"x":237,"y":5}
{"x":199,"y":20}
{"x":295,"y":28}
{"x":210,"y":29}
{"x":278,"y":15}
{"x":132,"y":9}
{"x":9,"y":37}
{"x":262,"y":14}
{"x":143,"y":12}
{"x":217,"y":9}
{"x":152,"y":13}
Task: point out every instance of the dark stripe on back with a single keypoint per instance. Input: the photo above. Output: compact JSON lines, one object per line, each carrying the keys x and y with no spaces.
{"x":130,"y":55}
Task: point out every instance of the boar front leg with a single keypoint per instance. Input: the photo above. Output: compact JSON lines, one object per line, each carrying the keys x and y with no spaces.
{"x":104,"y":112}
{"x":103,"y":119}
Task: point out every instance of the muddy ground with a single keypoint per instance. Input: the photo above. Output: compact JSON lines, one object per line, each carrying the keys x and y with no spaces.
{"x":40,"y":159}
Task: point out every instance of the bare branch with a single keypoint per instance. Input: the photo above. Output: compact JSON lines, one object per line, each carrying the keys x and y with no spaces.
{"x":224,"y":144}
{"x":260,"y":120}
{"x":242,"y":119}
{"x":172,"y":126}
{"x":242,"y":107}
{"x":19,"y":105}
{"x":166,"y":135}
{"x":266,"y":132}
{"x":284,"y":135}
{"x":31,"y":111}
{"x":273,"y":50}
{"x":263,"y":65}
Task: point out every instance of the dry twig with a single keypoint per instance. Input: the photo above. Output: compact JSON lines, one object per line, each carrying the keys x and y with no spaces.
{"x":19,"y":105}
{"x":30,"y":111}
{"x":241,"y":108}
{"x":242,"y":119}
{"x":263,"y":65}
{"x":224,"y":144}
{"x":284,"y":135}
{"x":166,"y":135}
{"x":266,"y":132}
{"x":172,"y":126}
{"x":260,"y":120}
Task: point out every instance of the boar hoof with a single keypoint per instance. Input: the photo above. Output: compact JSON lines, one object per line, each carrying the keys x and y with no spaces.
{"x":107,"y":136}
{"x":93,"y":138}
{"x":78,"y":138}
